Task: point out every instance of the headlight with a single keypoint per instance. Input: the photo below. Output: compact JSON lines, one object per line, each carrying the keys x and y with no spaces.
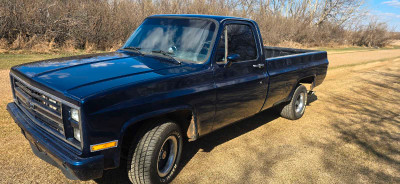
{"x":77,"y":134}
{"x":75,"y":115}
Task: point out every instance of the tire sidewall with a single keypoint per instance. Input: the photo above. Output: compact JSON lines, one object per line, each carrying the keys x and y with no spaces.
{"x":170,"y":130}
{"x":300,"y":89}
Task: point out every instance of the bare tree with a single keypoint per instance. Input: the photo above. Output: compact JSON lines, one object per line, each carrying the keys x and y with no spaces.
{"x":105,"y":24}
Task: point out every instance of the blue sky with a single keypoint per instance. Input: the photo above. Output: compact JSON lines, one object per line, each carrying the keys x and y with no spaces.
{"x":386,"y":10}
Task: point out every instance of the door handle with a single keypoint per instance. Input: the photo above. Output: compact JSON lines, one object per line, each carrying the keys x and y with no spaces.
{"x":259,"y":66}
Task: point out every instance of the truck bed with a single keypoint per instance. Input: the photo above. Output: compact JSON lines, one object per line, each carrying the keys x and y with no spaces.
{"x":286,"y":66}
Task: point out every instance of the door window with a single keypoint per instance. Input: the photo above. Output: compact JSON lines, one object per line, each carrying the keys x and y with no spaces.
{"x":240,"y":41}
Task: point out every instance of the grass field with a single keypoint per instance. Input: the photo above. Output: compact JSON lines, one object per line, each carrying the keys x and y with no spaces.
{"x":345,"y":50}
{"x":7,"y":60}
{"x":349,"y":133}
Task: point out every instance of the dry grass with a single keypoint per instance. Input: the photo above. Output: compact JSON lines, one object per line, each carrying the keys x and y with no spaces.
{"x":105,"y":23}
{"x":349,"y":135}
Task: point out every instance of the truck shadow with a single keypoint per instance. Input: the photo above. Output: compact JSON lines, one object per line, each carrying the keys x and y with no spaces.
{"x":311,"y":98}
{"x":225,"y":134}
{"x":367,"y":125}
{"x":205,"y":144}
{"x":210,"y":141}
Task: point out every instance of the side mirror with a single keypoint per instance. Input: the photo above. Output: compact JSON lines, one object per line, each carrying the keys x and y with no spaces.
{"x":232,"y":58}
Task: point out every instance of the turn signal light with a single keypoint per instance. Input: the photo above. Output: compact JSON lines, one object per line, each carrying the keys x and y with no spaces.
{"x":103,"y":146}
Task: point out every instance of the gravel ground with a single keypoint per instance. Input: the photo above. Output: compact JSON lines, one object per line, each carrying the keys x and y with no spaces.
{"x":349,"y":134}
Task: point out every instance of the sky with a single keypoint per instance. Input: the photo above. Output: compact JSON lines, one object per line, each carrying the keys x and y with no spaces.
{"x":386,"y":10}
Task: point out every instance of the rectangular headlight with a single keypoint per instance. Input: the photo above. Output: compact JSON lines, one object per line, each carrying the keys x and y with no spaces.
{"x":77,"y":134}
{"x":75,"y":114}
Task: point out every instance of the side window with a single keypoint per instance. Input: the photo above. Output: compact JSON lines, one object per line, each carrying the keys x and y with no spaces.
{"x":240,"y":41}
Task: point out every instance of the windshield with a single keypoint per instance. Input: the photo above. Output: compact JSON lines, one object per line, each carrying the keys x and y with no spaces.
{"x":184,"y":39}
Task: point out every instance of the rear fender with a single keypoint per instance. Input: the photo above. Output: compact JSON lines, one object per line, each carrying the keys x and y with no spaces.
{"x":297,"y":84}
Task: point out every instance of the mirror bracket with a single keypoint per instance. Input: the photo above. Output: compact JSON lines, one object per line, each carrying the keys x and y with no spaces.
{"x":228,"y":64}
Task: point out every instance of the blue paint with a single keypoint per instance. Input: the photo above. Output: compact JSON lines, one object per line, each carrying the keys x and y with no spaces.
{"x":119,"y":89}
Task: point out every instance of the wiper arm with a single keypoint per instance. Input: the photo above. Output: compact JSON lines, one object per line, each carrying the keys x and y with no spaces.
{"x":137,"y":49}
{"x":169,"y":54}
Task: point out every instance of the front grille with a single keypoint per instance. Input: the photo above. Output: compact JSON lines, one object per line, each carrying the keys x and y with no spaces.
{"x":42,"y":107}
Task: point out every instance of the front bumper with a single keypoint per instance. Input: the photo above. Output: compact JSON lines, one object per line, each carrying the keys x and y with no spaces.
{"x":51,"y":149}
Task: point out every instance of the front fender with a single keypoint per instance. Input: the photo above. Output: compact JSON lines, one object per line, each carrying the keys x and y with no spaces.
{"x":140,"y":119}
{"x":133,"y":121}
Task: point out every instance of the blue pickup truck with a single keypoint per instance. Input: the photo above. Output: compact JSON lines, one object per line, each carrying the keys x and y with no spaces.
{"x":177,"y":78}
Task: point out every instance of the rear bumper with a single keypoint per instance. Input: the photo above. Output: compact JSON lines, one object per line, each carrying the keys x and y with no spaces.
{"x":51,"y":149}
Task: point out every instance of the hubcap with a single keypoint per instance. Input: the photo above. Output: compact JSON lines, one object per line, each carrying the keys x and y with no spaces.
{"x":300,"y":104}
{"x":167,"y":156}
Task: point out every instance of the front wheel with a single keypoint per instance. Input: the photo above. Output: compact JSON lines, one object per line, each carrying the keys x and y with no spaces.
{"x":155,"y":156}
{"x":297,"y":105}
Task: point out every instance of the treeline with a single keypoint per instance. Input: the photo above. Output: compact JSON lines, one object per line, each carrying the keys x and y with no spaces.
{"x":44,"y":25}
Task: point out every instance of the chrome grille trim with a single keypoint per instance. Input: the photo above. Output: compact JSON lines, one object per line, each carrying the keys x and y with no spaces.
{"x":45,"y":111}
{"x":45,"y":93}
{"x":49,"y":130}
{"x":40,"y":106}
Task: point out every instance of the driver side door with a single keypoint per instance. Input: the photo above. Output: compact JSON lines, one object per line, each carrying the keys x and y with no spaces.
{"x":242,"y":83}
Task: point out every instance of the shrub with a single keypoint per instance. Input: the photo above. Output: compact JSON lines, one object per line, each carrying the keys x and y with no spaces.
{"x":374,"y":34}
{"x":106,"y":24}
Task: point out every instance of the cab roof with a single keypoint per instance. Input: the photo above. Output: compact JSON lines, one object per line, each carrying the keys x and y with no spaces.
{"x":218,"y":18}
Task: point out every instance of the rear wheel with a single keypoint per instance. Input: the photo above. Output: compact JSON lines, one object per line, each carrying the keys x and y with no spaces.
{"x":297,"y":105}
{"x":155,"y":156}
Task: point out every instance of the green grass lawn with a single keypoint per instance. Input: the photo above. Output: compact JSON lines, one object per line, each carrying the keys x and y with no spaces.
{"x":9,"y":60}
{"x":355,"y":49}
{"x":346,"y":49}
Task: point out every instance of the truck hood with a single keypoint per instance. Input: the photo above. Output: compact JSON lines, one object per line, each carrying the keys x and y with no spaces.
{"x":72,"y":73}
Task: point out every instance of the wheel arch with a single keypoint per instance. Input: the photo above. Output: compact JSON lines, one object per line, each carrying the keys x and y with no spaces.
{"x":184,"y":116}
{"x":310,"y":79}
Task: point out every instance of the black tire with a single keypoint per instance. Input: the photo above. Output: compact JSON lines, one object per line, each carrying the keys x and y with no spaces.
{"x":292,"y":110}
{"x":145,"y":154}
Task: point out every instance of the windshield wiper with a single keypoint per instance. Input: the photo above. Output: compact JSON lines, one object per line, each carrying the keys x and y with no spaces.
{"x":137,"y":49}
{"x":168,"y":54}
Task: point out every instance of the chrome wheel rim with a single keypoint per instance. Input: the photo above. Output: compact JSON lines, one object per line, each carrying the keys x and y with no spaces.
{"x":299,"y":103}
{"x":167,"y":156}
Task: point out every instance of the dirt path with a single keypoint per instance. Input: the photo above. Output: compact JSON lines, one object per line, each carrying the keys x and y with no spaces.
{"x":342,"y":59}
{"x":349,"y":134}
